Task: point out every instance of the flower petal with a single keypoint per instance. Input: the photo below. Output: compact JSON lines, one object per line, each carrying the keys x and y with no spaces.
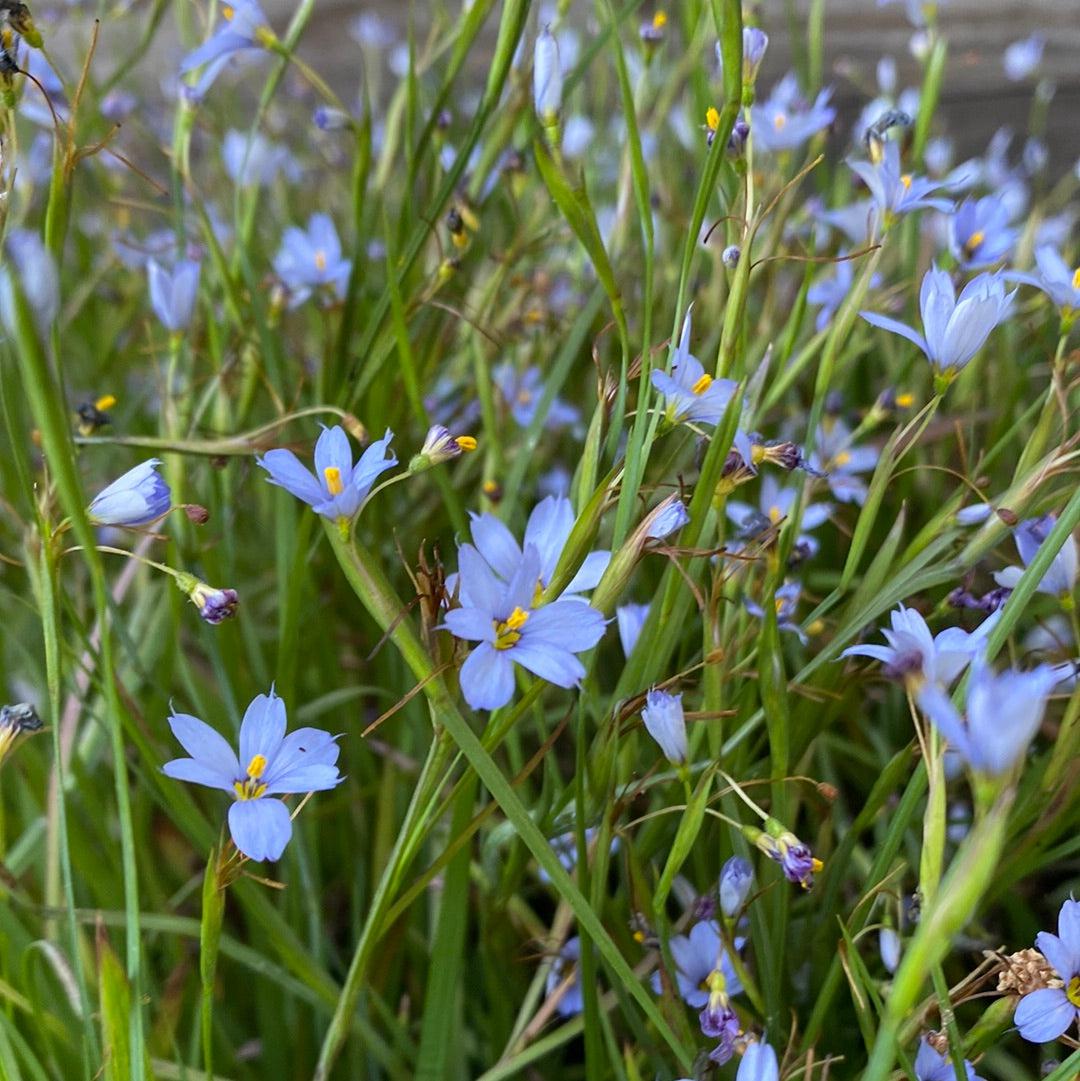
{"x":1044,"y":1015}
{"x":496,"y":544}
{"x":487,"y":677}
{"x":205,"y":745}
{"x":260,"y":828}
{"x":550,"y":662}
{"x":262,"y":729}
{"x":187,"y":769}
{"x":286,"y":471}
{"x":470,"y":624}
{"x":571,"y":625}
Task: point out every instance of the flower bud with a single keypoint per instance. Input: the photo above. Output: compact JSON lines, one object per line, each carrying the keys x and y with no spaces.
{"x":889,"y":945}
{"x":327,"y":119}
{"x":736,"y":879}
{"x":665,"y":722}
{"x":669,"y":517}
{"x":440,"y":446}
{"x":137,"y":498}
{"x":730,"y":256}
{"x":547,"y":78}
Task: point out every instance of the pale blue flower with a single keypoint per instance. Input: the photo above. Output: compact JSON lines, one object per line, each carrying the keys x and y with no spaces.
{"x":173,"y":292}
{"x":338,"y":488}
{"x":916,"y":9}
{"x":841,"y":462}
{"x":695,"y":956}
{"x":1055,"y":278}
{"x":1004,"y":711}
{"x":547,"y":531}
{"x":931,"y":1066}
{"x":689,"y":393}
{"x":758,"y":1064}
{"x":1050,"y":1012}
{"x":565,"y":966}
{"x":276,"y":764}
{"x":955,"y":328}
{"x":787,"y":604}
{"x":311,"y":259}
{"x":1021,"y":58}
{"x":736,"y":880}
{"x":775,"y":503}
{"x":523,"y":393}
{"x":501,"y":617}
{"x":894,"y":192}
{"x":1060,"y":578}
{"x":754,"y":43}
{"x":253,"y":160}
{"x":889,"y":948}
{"x":630,"y":618}
{"x":785,"y":121}
{"x":244,"y":29}
{"x":665,"y":722}
{"x":136,"y":499}
{"x":979,"y":231}
{"x":36,"y":274}
{"x":831,"y":291}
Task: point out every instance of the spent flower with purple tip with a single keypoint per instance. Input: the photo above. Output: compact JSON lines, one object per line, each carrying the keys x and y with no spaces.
{"x":501,"y":616}
{"x":270,"y":764}
{"x":136,"y":499}
{"x":338,"y":488}
{"x":1049,"y":1012}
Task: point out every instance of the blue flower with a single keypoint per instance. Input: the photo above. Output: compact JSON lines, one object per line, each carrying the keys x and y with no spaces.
{"x":696,"y":956}
{"x":894,"y":192}
{"x":979,"y":231}
{"x":956,"y":328}
{"x":736,"y":878}
{"x":754,"y":43}
{"x":930,"y":1066}
{"x":630,"y":618}
{"x":311,"y":259}
{"x":1048,"y":1013}
{"x":841,"y":463}
{"x":1055,"y":278}
{"x":547,"y":531}
{"x":523,"y":394}
{"x":774,"y":505}
{"x":1060,"y":578}
{"x":338,"y":488}
{"x":758,"y":1064}
{"x":913,"y":653}
{"x":787,"y":603}
{"x":1004,"y":711}
{"x":916,"y":9}
{"x":137,"y":498}
{"x":173,"y":292}
{"x":665,"y":722}
{"x":276,"y":764}
{"x":784,"y":121}
{"x":689,"y":393}
{"x":1021,"y":58}
{"x":501,"y":617}
{"x":245,"y":29}
{"x":565,"y":967}
{"x":832,"y":291}
{"x":250,"y":159}
{"x":36,"y":273}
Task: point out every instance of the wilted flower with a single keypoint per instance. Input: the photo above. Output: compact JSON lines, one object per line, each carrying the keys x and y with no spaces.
{"x":736,"y":879}
{"x":137,"y":498}
{"x":311,"y":258}
{"x":1021,"y":58}
{"x":214,"y":605}
{"x":547,"y":78}
{"x":730,"y":256}
{"x":173,"y":292}
{"x":15,"y":721}
{"x":784,"y":121}
{"x":664,"y":721}
{"x":931,"y":1066}
{"x":630,"y":618}
{"x":245,"y":28}
{"x":277,"y":764}
{"x":758,"y":1064}
{"x":1004,"y":711}
{"x":565,"y":966}
{"x":689,"y":393}
{"x":979,"y":231}
{"x":338,"y":488}
{"x":796,"y":860}
{"x":1060,"y":578}
{"x":501,"y":616}
{"x":775,"y":503}
{"x":1049,"y":1012}
{"x":956,"y":328}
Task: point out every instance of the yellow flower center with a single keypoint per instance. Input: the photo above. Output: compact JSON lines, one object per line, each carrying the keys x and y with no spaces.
{"x":974,"y":242}
{"x":524,"y":397}
{"x":906,"y":181}
{"x":775,"y":514}
{"x":249,"y":788}
{"x":712,"y":118}
{"x":508,"y":631}
{"x":842,"y":458}
{"x":333,"y":480}
{"x":227,"y":13}
{"x":702,"y":384}
{"x":1072,"y":992}
{"x":320,"y":260}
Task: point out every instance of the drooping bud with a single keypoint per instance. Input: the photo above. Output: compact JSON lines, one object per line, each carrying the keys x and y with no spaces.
{"x":547,"y":79}
{"x":214,"y":605}
{"x":736,"y":879}
{"x":665,"y":722}
{"x":440,"y":446}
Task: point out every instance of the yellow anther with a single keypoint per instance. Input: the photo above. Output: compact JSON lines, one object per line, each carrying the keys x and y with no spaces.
{"x":250,"y":788}
{"x":775,"y":514}
{"x":333,"y":480}
{"x":779,"y":121}
{"x":465,"y":442}
{"x":712,"y":118}
{"x":1076,"y":278}
{"x":905,"y":401}
{"x":517,"y":619}
{"x":320,"y":260}
{"x":524,"y":397}
{"x":106,"y":401}
{"x":659,"y":20}
{"x":638,"y":937}
{"x":227,"y":13}
{"x":842,"y":458}
{"x":974,"y":241}
{"x":906,"y":181}
{"x":256,"y":767}
{"x":508,"y":631}
{"x":1072,"y":993}
{"x":702,"y":384}
{"x":490,"y":487}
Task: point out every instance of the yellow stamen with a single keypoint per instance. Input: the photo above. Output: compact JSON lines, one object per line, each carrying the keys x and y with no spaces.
{"x":320,"y":260}
{"x":490,"y":487}
{"x":1072,"y":993}
{"x":842,"y":458}
{"x":333,"y":480}
{"x":249,"y":788}
{"x":465,"y":442}
{"x":712,"y":118}
{"x":1076,"y":278}
{"x":779,"y":122}
{"x":905,"y":401}
{"x":659,"y":20}
{"x":106,"y":401}
{"x":906,"y":181}
{"x":974,"y":241}
{"x":227,"y":13}
{"x":508,"y":632}
{"x":638,"y":937}
{"x":702,"y":384}
{"x":775,"y":514}
{"x":257,"y":766}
